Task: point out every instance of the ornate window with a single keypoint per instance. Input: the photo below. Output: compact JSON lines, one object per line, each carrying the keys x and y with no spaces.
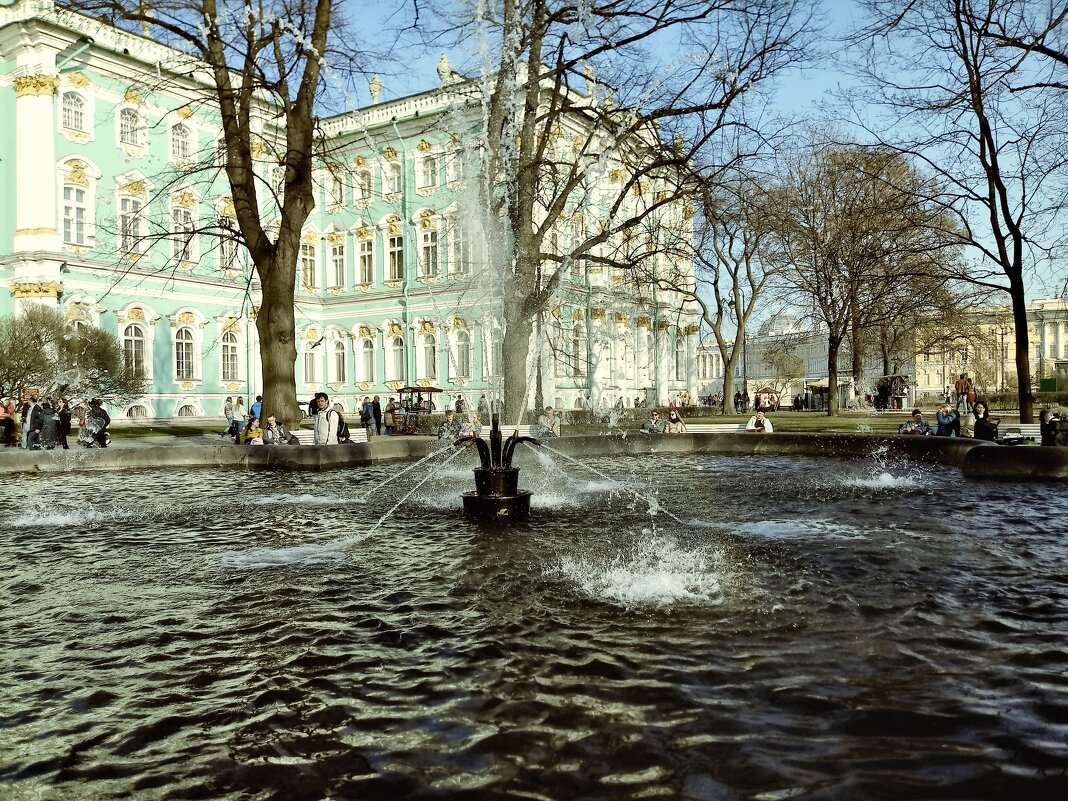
{"x":133,"y":349}
{"x":340,"y":371}
{"x":363,"y":185}
{"x":430,"y":356}
{"x":428,"y":172}
{"x":454,"y":167}
{"x":229,"y":357}
{"x":183,"y":234}
{"x":307,"y":265}
{"x":137,"y":411}
{"x":75,"y":215}
{"x":463,"y":354}
{"x":396,"y":360}
{"x":181,"y":142}
{"x":392,"y":180}
{"x":311,"y":364}
{"x":228,"y":253}
{"x":367,"y":261}
{"x":578,"y":350}
{"x":680,"y":357}
{"x":459,"y":249}
{"x":74,"y":112}
{"x":367,"y":361}
{"x":395,"y":245}
{"x":131,"y":231}
{"x":184,"y":363}
{"x":129,"y":127}
{"x":337,"y":263}
{"x":428,"y":258}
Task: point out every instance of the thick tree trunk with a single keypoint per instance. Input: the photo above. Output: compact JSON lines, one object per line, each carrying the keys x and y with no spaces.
{"x":515,"y":349}
{"x":276,"y":326}
{"x":1023,"y":355}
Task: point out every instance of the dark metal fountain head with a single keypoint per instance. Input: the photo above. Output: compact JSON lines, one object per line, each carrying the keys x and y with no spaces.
{"x":496,"y":494}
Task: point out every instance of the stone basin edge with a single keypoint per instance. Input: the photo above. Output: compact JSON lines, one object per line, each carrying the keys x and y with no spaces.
{"x":977,"y":460}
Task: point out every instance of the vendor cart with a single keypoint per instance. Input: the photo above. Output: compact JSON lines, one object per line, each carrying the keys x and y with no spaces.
{"x":414,"y":402}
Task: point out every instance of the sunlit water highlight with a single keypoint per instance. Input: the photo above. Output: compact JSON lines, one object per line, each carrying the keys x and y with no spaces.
{"x":661,"y":627}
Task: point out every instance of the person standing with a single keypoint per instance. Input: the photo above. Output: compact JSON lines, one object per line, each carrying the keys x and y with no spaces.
{"x":240,"y":418}
{"x":963,"y":387}
{"x":483,"y":408}
{"x":376,"y":413}
{"x":985,"y":427}
{"x":49,"y":435}
{"x":7,"y":422}
{"x":326,"y":421}
{"x":460,"y":406}
{"x":256,"y":410}
{"x":389,"y":416}
{"x":31,"y":423}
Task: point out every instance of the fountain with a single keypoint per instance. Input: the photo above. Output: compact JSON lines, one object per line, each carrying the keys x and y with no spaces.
{"x":497,"y":494}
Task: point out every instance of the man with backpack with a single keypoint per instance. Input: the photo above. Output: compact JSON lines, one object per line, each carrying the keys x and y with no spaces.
{"x":327,"y":421}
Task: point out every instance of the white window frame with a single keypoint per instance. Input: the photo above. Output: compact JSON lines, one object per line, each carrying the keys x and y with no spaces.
{"x":131,"y":135}
{"x":454,"y":166}
{"x":339,"y":362}
{"x":429,"y":264}
{"x":428,"y":172}
{"x":459,"y":250}
{"x":131,"y":224}
{"x":309,"y":266}
{"x":74,"y":109}
{"x":366,"y":373}
{"x":182,"y":144}
{"x":366,"y":260}
{"x":132,"y":334}
{"x":397,"y":361}
{"x":392,"y":179}
{"x":463,"y":354}
{"x":337,"y":263}
{"x":335,"y":189}
{"x":229,"y":359}
{"x":363,"y":186}
{"x":183,"y":234}
{"x":395,"y":261}
{"x":185,"y":354}
{"x":311,"y":364}
{"x":75,"y":211}
{"x":428,"y":357}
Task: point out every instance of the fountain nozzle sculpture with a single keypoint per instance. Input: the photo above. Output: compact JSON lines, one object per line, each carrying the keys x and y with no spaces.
{"x":496,"y":492}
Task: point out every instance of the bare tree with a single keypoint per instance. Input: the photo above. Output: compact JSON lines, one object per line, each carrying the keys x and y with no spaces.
{"x":862,"y":242}
{"x":585,"y":115}
{"x":946,"y":72}
{"x":260,"y":69}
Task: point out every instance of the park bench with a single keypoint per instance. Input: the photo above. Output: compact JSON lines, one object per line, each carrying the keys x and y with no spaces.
{"x":715,"y":428}
{"x":1019,"y":432}
{"x":306,"y":436}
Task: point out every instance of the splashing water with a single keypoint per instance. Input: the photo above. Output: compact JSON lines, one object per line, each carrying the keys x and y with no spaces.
{"x":655,"y":571}
{"x":263,"y":558}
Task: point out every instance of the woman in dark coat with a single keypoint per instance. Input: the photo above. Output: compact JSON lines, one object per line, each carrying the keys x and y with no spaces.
{"x":63,"y":423}
{"x":986,"y":427}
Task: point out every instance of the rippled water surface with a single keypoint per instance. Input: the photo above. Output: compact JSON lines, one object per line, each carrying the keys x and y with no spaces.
{"x":664,"y":627}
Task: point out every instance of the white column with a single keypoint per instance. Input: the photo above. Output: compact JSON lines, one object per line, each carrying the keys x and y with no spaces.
{"x":662,"y":343}
{"x":35,"y":163}
{"x":691,"y":362}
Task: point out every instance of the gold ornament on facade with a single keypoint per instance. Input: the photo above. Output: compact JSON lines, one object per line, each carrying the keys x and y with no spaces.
{"x":687,"y":212}
{"x":334,"y":238}
{"x":35,"y":85}
{"x":185,"y":112}
{"x":231,"y":326}
{"x":227,"y":207}
{"x":454,"y":140}
{"x":257,"y":149}
{"x":233,"y":387}
{"x":644,"y":322}
{"x":622,"y":318}
{"x":427,"y":220}
{"x":579,"y":143}
{"x":459,"y":322}
{"x":389,"y":154}
{"x":253,"y":312}
{"x":336,"y":387}
{"x":393,"y":224}
{"x":186,"y":317}
{"x":135,"y":314}
{"x":309,"y":238}
{"x":424,"y":146}
{"x":76,"y":173}
{"x":365,"y":331}
{"x":36,"y":289}
{"x":663,"y":325}
{"x":184,"y":199}
{"x":311,"y":334}
{"x":395,"y":329}
{"x":691,"y":330}
{"x":615,"y":176}
{"x":597,"y":314}
{"x":77,"y":311}
{"x":577,"y":314}
{"x":360,"y":161}
{"x":188,"y":385}
{"x":426,"y":327}
{"x":78,"y":79}
{"x":424,"y":382}
{"x":134,"y":189}
{"x":131,"y":95}
{"x":363,"y":232}
{"x":335,"y":290}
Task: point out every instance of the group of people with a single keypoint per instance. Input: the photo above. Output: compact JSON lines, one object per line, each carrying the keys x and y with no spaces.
{"x":948,"y":422}
{"x":46,"y":424}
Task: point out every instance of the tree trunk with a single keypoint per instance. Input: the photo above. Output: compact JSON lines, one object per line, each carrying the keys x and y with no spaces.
{"x":276,"y":326}
{"x":1023,"y":356}
{"x":515,"y":349}
{"x":834,"y":344}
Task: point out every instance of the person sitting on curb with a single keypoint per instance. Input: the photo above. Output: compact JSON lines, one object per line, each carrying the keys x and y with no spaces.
{"x":948,"y":420}
{"x":252,"y":434}
{"x":654,"y":425}
{"x":916,"y":426}
{"x":450,"y":429}
{"x":759,"y":424}
{"x":548,"y":424}
{"x":674,"y":425}
{"x":276,"y":433}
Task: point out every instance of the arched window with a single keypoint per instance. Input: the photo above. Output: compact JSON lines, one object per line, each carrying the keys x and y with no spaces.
{"x":428,"y":172}
{"x":73,"y":112}
{"x":131,"y":230}
{"x":340,"y":373}
{"x":311,"y":366}
{"x":363,"y":185}
{"x":367,"y":261}
{"x":187,"y":411}
{"x":229,"y":357}
{"x":137,"y":411}
{"x":578,"y":350}
{"x":129,"y":127}
{"x":463,"y":354}
{"x":307,"y":265}
{"x":181,"y":143}
{"x":396,"y":360}
{"x":430,"y":356}
{"x":392,"y":178}
{"x":428,"y":257}
{"x":680,"y":357}
{"x":182,"y":234}
{"x":367,"y":361}
{"x":75,"y":215}
{"x":133,"y":349}
{"x":184,"y":369}
{"x":396,"y":257}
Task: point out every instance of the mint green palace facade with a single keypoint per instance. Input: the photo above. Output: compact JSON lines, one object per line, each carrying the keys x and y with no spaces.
{"x":113,"y":208}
